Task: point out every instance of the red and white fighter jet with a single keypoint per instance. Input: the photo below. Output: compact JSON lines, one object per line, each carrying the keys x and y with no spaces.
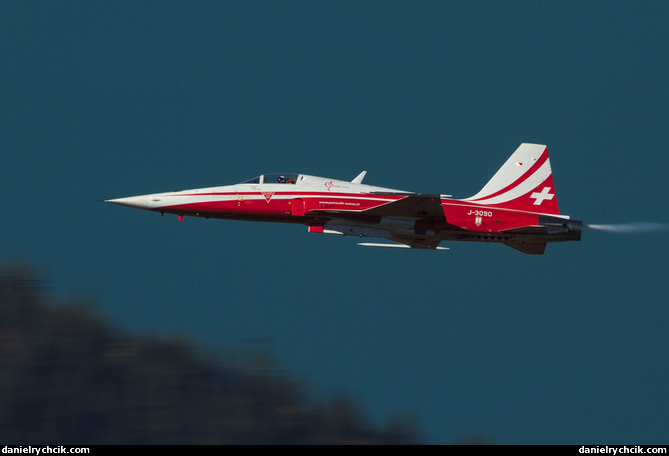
{"x":517,"y":207}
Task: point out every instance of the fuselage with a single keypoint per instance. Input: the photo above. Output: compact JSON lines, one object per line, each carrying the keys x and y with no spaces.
{"x":289,"y":198}
{"x":349,"y":208}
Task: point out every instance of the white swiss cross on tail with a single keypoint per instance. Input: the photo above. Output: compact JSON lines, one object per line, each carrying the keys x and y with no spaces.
{"x":540,"y":197}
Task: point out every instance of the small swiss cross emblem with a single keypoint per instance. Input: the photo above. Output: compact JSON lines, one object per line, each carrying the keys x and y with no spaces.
{"x":540,"y":197}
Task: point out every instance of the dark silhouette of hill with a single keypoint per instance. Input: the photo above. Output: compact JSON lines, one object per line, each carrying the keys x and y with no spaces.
{"x":69,"y":377}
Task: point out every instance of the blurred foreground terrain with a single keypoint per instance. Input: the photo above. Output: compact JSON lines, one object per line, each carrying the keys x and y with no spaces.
{"x":69,"y":377}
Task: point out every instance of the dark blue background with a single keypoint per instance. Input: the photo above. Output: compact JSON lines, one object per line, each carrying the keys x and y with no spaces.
{"x":102,"y":100}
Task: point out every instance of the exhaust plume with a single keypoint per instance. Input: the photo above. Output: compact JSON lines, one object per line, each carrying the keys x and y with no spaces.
{"x":631,"y":227}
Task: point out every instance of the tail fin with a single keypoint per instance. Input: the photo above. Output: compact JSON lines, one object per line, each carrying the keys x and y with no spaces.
{"x":524,"y":182}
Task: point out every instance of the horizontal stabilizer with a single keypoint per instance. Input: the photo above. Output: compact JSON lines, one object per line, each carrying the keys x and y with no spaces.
{"x":531,"y":248}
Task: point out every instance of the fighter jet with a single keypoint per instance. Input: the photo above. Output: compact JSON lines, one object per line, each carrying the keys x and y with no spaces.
{"x":517,"y":207}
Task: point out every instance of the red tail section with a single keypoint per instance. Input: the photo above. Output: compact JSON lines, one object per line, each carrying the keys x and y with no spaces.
{"x":524,"y":183}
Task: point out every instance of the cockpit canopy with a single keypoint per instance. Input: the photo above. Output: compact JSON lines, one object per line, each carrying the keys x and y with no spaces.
{"x":285,"y":178}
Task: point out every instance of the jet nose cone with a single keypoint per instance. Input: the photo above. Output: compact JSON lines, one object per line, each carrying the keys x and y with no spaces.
{"x":139,"y":202}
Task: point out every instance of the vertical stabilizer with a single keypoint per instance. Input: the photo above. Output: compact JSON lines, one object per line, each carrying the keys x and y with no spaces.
{"x":524,"y":182}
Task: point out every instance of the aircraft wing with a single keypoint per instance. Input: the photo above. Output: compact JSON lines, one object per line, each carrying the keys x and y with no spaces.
{"x":413,"y":206}
{"x":422,"y":208}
